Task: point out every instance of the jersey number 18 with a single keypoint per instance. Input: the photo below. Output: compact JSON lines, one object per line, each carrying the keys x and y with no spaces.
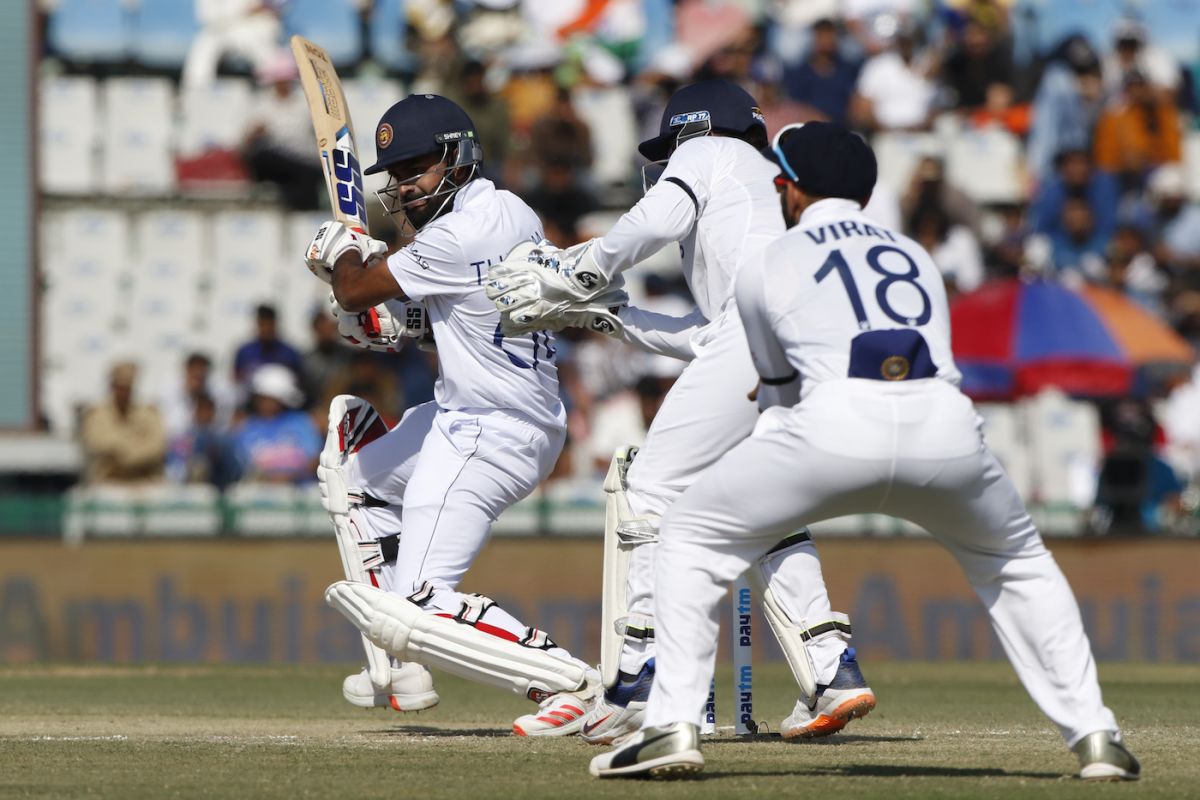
{"x":836,"y":261}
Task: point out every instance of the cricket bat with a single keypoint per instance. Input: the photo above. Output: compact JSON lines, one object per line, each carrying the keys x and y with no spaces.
{"x":334,"y":132}
{"x":343,"y":179}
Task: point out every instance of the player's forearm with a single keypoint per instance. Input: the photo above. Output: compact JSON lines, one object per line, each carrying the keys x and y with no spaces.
{"x":358,"y":288}
{"x":665,"y":215}
{"x":661,"y":334}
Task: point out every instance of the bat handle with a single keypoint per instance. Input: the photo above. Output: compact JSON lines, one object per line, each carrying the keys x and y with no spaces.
{"x":369,"y":320}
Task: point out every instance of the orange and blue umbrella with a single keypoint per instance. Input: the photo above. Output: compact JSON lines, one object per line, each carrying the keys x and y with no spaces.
{"x":1014,"y":337}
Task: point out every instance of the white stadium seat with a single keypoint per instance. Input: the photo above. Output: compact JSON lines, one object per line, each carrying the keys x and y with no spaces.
{"x":986,"y":165}
{"x":163,"y":303}
{"x":1065,"y":448}
{"x":68,"y":135}
{"x":300,"y":293}
{"x":1191,"y":164}
{"x":1003,"y":429}
{"x":898,"y":154}
{"x":137,"y":136}
{"x":368,"y":100}
{"x":247,"y":253}
{"x":213,"y":117}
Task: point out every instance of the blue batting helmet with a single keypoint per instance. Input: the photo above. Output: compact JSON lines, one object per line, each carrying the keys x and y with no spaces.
{"x":424,"y":123}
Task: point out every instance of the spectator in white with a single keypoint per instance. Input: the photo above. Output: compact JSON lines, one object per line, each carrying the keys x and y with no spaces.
{"x":1131,"y":50}
{"x":248,"y":29}
{"x":278,"y":146}
{"x":1133,"y":270}
{"x":177,"y":403}
{"x":873,"y":23}
{"x":1174,"y":222}
{"x":276,"y":443}
{"x":895,"y":90}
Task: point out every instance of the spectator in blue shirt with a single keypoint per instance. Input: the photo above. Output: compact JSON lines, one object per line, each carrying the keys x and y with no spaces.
{"x":276,"y":443}
{"x":1077,"y":251}
{"x":1076,"y":176}
{"x":824,"y":80}
{"x":265,"y":348}
{"x":1066,"y":106}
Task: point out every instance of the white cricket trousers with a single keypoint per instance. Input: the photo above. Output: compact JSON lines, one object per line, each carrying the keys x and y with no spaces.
{"x":447,"y":476}
{"x":704,"y":415}
{"x":912,"y":450}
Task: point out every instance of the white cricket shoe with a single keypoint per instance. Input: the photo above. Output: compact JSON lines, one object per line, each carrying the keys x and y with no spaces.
{"x":669,"y":752}
{"x":619,"y":712}
{"x":560,"y":714}
{"x":411,"y":689}
{"x":844,"y":698}
{"x":1104,"y":757}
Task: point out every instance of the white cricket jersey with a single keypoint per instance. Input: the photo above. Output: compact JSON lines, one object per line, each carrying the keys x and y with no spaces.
{"x":445,"y":267}
{"x":716,"y":198}
{"x":833,"y":276}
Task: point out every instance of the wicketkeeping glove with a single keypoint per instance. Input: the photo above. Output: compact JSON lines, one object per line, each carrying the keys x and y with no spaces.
{"x":332,"y":241}
{"x":537,"y":283}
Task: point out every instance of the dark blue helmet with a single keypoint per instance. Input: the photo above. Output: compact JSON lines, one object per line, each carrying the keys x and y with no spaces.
{"x":700,"y":109}
{"x":825,"y":160}
{"x":418,"y":125}
{"x":424,"y":123}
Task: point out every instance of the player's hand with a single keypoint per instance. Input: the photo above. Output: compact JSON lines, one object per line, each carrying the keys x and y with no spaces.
{"x":537,"y":283}
{"x":332,"y":241}
{"x":383,"y":327}
{"x":599,"y":314}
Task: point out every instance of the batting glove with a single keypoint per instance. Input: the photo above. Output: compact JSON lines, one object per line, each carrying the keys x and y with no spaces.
{"x":332,"y":241}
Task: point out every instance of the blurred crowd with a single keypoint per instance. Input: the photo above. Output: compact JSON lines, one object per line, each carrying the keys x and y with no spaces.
{"x":561,"y":93}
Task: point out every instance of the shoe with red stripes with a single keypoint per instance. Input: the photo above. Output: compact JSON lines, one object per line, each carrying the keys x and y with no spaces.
{"x":559,"y":714}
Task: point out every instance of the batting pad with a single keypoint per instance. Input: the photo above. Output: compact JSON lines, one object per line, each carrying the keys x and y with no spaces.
{"x":410,"y":633}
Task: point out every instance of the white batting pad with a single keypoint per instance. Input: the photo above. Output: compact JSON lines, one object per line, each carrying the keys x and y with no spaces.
{"x":405,"y":630}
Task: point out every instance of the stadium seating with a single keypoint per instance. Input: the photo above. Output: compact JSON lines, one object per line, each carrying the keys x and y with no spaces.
{"x":137,"y":134}
{"x":162,"y":33}
{"x":213,"y":117}
{"x":898,"y":154}
{"x":1065,"y":453}
{"x":367,"y":101}
{"x":164,"y":305}
{"x":986,"y":165}
{"x":90,"y":31}
{"x":388,"y":33}
{"x":68,"y":135}
{"x":333,"y":24}
{"x":300,"y":293}
{"x":83,"y":259}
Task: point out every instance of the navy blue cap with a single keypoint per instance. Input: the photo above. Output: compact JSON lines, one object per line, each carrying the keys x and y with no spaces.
{"x":825,"y":160}
{"x":724,"y":106}
{"x":419,"y":124}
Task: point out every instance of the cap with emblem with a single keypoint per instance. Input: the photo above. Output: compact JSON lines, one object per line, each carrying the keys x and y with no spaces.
{"x":419,"y":124}
{"x":699,"y":109}
{"x":825,"y":160}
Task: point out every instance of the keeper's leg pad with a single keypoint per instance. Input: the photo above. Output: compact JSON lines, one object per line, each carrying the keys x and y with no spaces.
{"x":793,"y":635}
{"x":622,"y":533}
{"x":453,"y":643}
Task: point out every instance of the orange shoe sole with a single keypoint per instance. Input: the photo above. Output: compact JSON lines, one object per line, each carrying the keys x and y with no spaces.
{"x":831,"y":723}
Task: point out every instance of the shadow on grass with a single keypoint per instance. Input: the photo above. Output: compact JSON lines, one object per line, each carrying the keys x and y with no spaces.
{"x":828,"y":741}
{"x":425,"y":730}
{"x":886,"y":771}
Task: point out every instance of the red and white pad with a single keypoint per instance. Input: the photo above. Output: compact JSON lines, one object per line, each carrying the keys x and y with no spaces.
{"x":403,"y":628}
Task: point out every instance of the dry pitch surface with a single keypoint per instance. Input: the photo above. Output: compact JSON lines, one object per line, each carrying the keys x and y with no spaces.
{"x":941,"y":730}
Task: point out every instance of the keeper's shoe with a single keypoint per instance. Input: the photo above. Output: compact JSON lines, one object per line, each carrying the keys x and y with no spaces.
{"x":669,"y":752}
{"x":560,"y":714}
{"x":411,"y":689}
{"x":618,"y":713}
{"x":846,"y":697}
{"x":1104,"y":757}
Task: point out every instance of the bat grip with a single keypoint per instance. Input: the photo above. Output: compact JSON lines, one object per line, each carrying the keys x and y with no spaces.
{"x":369,"y":320}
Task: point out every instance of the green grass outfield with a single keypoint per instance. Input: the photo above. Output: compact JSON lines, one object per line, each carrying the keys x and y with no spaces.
{"x":941,"y":730}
